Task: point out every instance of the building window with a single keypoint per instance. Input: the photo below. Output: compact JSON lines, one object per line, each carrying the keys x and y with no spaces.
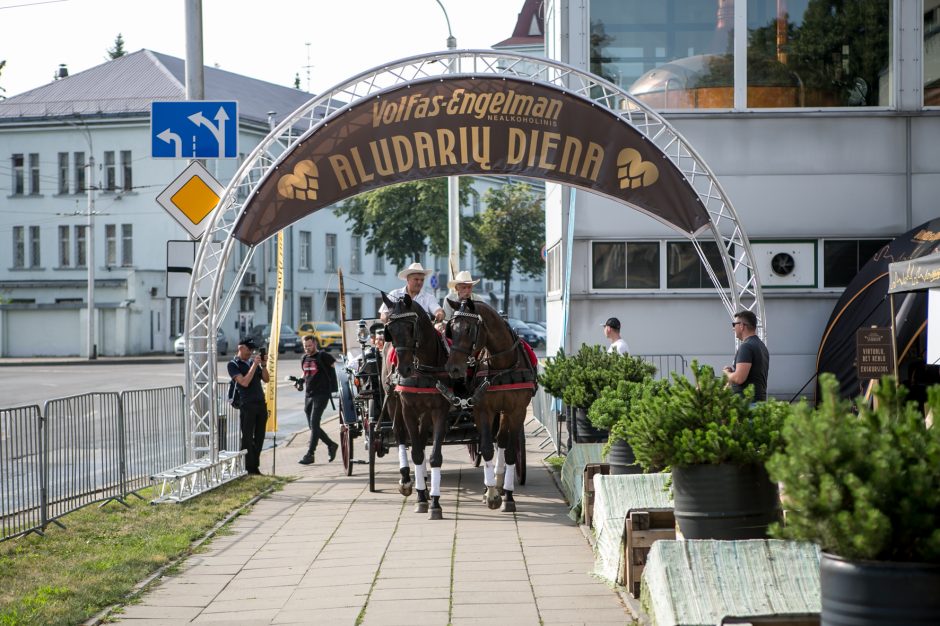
{"x":306,"y":308}
{"x":80,"y":246}
{"x":330,"y":252}
{"x":177,"y":316}
{"x":539,"y":309}
{"x":18,"y":175}
{"x":379,"y":267}
{"x":304,"y":263}
{"x":355,"y":307}
{"x":63,"y":187}
{"x":34,"y":174}
{"x":553,"y":272}
{"x":65,"y":246}
{"x":625,"y":265}
{"x":332,"y":307}
{"x":842,"y":259}
{"x":247,"y":302}
{"x":127,"y":245}
{"x":110,"y":245}
{"x":110,"y":171}
{"x":684,"y":267}
{"x":19,"y":247}
{"x":34,"y":252}
{"x":78,"y":161}
{"x":378,"y":305}
{"x":127,"y":173}
{"x":355,"y":261}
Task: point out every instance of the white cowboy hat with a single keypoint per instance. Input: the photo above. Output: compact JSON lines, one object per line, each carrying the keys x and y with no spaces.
{"x":461,"y":278}
{"x":414,"y":268}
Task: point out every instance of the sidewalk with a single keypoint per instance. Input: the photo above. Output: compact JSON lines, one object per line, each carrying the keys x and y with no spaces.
{"x":327,"y":551}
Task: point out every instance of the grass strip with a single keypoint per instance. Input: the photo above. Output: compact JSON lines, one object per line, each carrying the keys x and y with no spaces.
{"x":70,"y":575}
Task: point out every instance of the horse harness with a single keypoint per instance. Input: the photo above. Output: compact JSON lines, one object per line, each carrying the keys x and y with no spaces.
{"x":521,"y":375}
{"x":426,"y":379}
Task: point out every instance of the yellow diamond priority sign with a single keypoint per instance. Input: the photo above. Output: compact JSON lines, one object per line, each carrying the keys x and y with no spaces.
{"x":191,"y":197}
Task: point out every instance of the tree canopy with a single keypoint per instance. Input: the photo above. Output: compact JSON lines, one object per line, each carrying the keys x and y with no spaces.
{"x":118,"y":49}
{"x":400,"y":221}
{"x":2,"y":90}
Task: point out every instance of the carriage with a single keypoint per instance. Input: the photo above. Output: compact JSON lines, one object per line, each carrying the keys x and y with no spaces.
{"x":362,"y":398}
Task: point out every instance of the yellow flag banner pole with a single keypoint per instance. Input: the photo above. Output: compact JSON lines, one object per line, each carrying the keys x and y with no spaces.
{"x":270,"y":392}
{"x":342,"y":310}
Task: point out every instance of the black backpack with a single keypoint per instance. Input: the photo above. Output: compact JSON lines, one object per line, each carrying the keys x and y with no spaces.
{"x":234,"y":397}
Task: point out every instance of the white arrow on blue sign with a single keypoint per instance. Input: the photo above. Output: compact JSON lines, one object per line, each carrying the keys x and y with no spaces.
{"x":194,"y":129}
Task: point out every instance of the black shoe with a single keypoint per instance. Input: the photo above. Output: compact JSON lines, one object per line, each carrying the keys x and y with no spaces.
{"x":333,"y":447}
{"x":307,"y":460}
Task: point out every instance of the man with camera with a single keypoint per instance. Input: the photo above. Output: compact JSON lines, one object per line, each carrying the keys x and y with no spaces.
{"x":248,"y":369}
{"x":318,"y":379}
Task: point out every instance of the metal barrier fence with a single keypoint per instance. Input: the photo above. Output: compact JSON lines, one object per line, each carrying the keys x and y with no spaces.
{"x":84,"y":449}
{"x":547,"y":408}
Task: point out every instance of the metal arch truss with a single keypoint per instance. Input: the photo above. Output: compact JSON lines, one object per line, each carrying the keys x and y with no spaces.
{"x":206,"y":306}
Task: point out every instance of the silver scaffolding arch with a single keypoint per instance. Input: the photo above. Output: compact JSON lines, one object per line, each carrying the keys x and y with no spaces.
{"x":206,"y":306}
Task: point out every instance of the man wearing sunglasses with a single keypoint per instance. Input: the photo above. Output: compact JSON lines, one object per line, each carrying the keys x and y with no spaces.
{"x":752,"y":361}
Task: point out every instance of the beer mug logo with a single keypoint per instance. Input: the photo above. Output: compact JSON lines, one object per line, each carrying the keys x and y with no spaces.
{"x":302,"y":184}
{"x":633,"y":171}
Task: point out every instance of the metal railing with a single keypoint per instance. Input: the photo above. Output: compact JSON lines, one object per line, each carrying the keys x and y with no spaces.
{"x":94,"y":447}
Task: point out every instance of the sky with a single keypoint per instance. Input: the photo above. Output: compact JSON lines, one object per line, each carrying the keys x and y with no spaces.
{"x":263,"y":39}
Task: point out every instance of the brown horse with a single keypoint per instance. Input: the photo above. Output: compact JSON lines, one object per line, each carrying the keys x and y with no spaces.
{"x":421,"y":356}
{"x":485,"y":345}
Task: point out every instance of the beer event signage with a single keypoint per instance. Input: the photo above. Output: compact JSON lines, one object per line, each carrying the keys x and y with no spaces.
{"x":465,"y":126}
{"x":874,"y":353}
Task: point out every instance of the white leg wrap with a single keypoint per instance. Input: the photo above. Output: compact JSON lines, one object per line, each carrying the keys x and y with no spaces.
{"x":402,"y":456}
{"x":435,"y":481}
{"x":419,"y":478}
{"x":489,"y":475}
{"x":510,"y":479}
{"x":500,"y":460}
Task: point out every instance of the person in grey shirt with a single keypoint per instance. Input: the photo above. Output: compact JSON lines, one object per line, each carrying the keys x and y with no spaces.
{"x":752,"y":360}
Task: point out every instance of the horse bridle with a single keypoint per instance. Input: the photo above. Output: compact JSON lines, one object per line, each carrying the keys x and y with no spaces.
{"x":474,"y":334}
{"x":398,"y":317}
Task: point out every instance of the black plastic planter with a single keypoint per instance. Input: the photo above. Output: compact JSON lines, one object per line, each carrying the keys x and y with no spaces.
{"x":869,"y":593}
{"x":621,"y":459}
{"x":724,"y":501}
{"x":584,"y":431}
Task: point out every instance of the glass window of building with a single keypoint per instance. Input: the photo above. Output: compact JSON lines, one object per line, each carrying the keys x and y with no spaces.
{"x":378,"y":305}
{"x":684,"y":267}
{"x":78,"y":161}
{"x":843,"y":258}
{"x":355,"y":261}
{"x":110,"y":245}
{"x":34,"y":174}
{"x":19,"y":247}
{"x":34,"y":252}
{"x":65,"y":246}
{"x":19,"y":183}
{"x":63,"y":187}
{"x":304,"y":261}
{"x":110,"y":171}
{"x":127,"y":170}
{"x":553,"y":275}
{"x":379,"y":267}
{"x":80,"y":247}
{"x":808,"y":53}
{"x":306,"y":308}
{"x":332,"y":307}
{"x":931,"y":53}
{"x":625,"y":265}
{"x":355,"y":307}
{"x":671,"y":54}
{"x":330,"y":252}
{"x":127,"y":245}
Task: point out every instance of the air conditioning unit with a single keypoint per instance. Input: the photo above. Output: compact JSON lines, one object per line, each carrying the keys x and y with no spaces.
{"x":786,"y":263}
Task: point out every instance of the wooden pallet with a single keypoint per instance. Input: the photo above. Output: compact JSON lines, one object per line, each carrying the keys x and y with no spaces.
{"x":587,"y":500}
{"x":641,"y":529}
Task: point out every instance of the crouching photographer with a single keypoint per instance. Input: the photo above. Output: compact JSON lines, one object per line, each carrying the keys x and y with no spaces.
{"x":319,"y":380}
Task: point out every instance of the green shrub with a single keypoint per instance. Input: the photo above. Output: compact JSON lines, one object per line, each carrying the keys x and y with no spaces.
{"x":612,"y":409}
{"x":555,"y":374}
{"x":592,"y":370}
{"x":703,"y":422}
{"x":863,"y":486}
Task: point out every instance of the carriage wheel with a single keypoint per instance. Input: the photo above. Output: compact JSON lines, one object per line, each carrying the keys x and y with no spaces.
{"x":475,"y":456}
{"x":345,"y":443}
{"x":520,"y":457}
{"x":372,"y":445}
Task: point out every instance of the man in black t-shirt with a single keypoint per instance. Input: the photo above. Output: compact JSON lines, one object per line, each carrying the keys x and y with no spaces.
{"x":316,"y":380}
{"x":752,"y":361}
{"x":253,"y":414}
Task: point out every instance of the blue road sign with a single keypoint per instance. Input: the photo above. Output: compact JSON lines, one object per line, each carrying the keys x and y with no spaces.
{"x":194,"y":129}
{"x":434,"y":280}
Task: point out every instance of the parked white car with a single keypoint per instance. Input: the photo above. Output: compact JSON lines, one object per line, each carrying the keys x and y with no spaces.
{"x":221,"y":344}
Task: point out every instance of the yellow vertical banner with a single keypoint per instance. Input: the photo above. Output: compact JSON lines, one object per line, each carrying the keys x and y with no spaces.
{"x":270,"y":392}
{"x":342,"y":311}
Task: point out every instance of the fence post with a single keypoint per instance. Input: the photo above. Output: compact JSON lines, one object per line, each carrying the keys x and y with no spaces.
{"x":44,"y":468}
{"x":122,"y":444}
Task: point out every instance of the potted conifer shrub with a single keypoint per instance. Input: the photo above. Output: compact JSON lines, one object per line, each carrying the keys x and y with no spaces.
{"x":716,"y":444}
{"x":612,"y":410}
{"x":866,"y":488}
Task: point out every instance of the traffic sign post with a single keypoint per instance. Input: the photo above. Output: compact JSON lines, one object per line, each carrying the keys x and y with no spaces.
{"x":180,"y":260}
{"x":191,"y":197}
{"x":194,"y":129}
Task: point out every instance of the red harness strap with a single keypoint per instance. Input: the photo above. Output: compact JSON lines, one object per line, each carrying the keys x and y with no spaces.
{"x":401,"y":388}
{"x":511,"y":386}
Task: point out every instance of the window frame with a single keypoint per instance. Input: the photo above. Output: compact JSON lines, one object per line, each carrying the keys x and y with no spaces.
{"x":626,"y":270}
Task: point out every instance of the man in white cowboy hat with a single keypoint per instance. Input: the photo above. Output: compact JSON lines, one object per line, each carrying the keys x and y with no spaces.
{"x":461,"y":288}
{"x":414,"y":276}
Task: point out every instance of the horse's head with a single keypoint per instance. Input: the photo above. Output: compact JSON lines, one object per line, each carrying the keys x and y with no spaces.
{"x":402,"y":331}
{"x":468,"y":333}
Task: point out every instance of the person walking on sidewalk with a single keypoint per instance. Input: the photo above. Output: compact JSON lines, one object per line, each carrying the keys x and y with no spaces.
{"x":317,"y":365}
{"x":253,"y":413}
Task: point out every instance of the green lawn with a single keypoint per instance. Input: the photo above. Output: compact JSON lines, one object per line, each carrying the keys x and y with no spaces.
{"x":70,"y":575}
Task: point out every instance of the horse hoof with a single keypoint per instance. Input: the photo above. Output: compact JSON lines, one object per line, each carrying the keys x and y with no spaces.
{"x":437,"y":513}
{"x":405,"y":489}
{"x":492,"y":498}
{"x":421,"y":507}
{"x":508,"y":507}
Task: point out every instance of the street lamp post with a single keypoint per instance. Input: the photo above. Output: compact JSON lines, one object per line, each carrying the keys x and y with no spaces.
{"x":453,"y":182}
{"x":90,"y":259}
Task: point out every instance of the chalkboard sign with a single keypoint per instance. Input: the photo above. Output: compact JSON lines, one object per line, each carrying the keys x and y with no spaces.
{"x":874,"y":354}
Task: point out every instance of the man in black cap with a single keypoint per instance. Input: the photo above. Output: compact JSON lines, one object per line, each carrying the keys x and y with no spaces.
{"x":248,"y":371}
{"x":612,"y":332}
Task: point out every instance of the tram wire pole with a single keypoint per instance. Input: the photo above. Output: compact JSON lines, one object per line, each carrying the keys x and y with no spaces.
{"x":453,"y":182}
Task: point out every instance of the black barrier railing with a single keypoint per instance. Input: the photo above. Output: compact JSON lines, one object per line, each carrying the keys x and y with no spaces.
{"x":84,"y":449}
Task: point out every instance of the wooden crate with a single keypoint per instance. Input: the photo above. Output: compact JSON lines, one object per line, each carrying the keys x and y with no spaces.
{"x":587,"y":499}
{"x":641,"y":529}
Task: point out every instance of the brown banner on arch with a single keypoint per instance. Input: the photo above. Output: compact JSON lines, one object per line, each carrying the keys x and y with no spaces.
{"x":466,"y":126}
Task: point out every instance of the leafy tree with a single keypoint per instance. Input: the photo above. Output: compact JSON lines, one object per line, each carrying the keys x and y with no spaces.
{"x":118,"y":49}
{"x":507,"y":236}
{"x":297,"y":80}
{"x":399,"y":221}
{"x":2,"y":90}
